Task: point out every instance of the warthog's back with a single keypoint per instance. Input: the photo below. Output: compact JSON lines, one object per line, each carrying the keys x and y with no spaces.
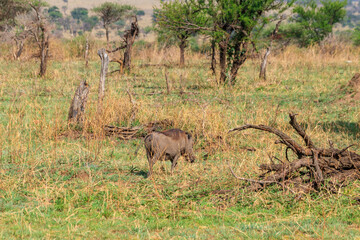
{"x":168,"y":145}
{"x":169,"y":142}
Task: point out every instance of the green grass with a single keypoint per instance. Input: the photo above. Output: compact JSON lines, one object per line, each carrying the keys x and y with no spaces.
{"x":60,"y":186}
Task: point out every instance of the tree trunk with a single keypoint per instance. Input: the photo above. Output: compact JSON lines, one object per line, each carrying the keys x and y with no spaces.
{"x":222,"y":56}
{"x":129,"y":37}
{"x":182,"y":47}
{"x":20,"y":47}
{"x":127,"y":57}
{"x":78,"y":103}
{"x":44,"y":51}
{"x":262,"y":74}
{"x":104,"y":69}
{"x":107,"y":34}
{"x":239,"y":59}
{"x":213,"y":59}
{"x":87,"y":52}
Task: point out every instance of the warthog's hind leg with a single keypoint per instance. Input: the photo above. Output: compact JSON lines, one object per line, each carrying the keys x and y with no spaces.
{"x":152,"y":161}
{"x":174,"y":162}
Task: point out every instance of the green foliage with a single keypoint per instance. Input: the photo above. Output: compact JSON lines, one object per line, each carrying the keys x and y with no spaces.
{"x":76,"y":45}
{"x":120,"y":23}
{"x":90,"y":23}
{"x":315,"y":22}
{"x":168,"y":26}
{"x":148,"y":29}
{"x":140,"y":13}
{"x":80,"y":14}
{"x":9,"y":9}
{"x":356,"y":36}
{"x":169,"y":17}
{"x":54,"y":13}
{"x":230,"y":24}
{"x":111,"y":12}
{"x":61,"y":186}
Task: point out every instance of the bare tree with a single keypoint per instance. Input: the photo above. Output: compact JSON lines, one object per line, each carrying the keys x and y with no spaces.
{"x":78,"y":103}
{"x":129,"y":39}
{"x":110,"y":13}
{"x":263,"y":65}
{"x":34,"y":25}
{"x":128,"y":42}
{"x":40,"y":31}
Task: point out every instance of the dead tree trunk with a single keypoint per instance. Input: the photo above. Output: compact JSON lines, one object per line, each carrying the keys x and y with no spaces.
{"x":41,"y":35}
{"x":87,"y":52}
{"x":311,"y":168}
{"x":104,"y":69}
{"x":78,"y":103}
{"x":222,"y":56}
{"x":19,"y":48}
{"x":262,"y":74}
{"x":129,"y":39}
{"x":213,"y":59}
{"x":107,"y":33}
{"x":182,"y":47}
{"x":44,"y":52}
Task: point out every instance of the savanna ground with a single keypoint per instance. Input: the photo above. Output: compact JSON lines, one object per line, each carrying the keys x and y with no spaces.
{"x":57,"y":183}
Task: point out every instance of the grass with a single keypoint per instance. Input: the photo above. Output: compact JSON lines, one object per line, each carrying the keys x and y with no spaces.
{"x":62,"y":186}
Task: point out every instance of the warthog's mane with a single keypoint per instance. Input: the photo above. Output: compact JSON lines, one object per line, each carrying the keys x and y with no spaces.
{"x":174,"y":133}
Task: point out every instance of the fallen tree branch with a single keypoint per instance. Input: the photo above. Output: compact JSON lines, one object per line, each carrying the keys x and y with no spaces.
{"x":312,"y":167}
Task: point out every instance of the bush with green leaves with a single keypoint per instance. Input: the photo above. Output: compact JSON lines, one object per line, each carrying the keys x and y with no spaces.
{"x":54,"y":13}
{"x":356,"y":36}
{"x":111,"y":13}
{"x":313,"y":22}
{"x":80,"y":14}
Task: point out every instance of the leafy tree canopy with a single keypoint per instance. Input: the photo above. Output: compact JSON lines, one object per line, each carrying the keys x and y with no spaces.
{"x":314,"y":22}
{"x":140,"y":13}
{"x":54,"y":13}
{"x":80,"y":14}
{"x":112,"y":12}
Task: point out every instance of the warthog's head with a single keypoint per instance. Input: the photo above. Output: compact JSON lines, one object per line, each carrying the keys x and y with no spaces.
{"x":189,"y":148}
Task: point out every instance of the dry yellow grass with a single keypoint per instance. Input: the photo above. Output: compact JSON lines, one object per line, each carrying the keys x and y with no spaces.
{"x":92,"y":186}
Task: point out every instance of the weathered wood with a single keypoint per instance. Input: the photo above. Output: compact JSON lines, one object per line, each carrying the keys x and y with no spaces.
{"x":78,"y":103}
{"x":104,"y":69}
{"x":182,"y":47}
{"x":129,"y":39}
{"x":262,"y":74}
{"x":87,"y":52}
{"x":44,"y":49}
{"x":300,"y":131}
{"x":318,"y":164}
{"x":19,"y":50}
{"x":285,"y":139}
{"x":213,"y":59}
{"x":123,"y":133}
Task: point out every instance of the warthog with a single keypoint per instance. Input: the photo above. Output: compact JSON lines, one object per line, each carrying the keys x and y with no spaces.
{"x":168,"y":145}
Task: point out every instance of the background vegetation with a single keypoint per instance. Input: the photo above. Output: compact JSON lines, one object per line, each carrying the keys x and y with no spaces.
{"x":63,"y":181}
{"x":59,"y":183}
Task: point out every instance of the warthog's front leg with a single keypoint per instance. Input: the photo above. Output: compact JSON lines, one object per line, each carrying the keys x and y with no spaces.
{"x":174,"y":162}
